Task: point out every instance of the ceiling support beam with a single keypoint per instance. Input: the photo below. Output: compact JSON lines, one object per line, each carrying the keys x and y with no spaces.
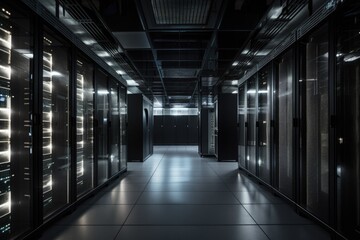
{"x":213,"y":38}
{"x":145,"y":27}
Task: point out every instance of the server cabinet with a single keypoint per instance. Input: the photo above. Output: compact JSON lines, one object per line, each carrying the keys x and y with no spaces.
{"x":242,"y":127}
{"x":55,"y":123}
{"x":140,"y":114}
{"x":207,"y":132}
{"x":102,"y":116}
{"x":114,"y":128}
{"x":16,"y":142}
{"x":226,"y":127}
{"x":84,"y":125}
{"x":284,"y":123}
{"x":314,"y":96}
{"x":348,"y":119}
{"x":251,"y":129}
{"x":123,"y":128}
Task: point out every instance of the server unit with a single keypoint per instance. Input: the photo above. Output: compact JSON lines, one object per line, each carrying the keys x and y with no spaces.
{"x":140,"y":128}
{"x":207,"y":132}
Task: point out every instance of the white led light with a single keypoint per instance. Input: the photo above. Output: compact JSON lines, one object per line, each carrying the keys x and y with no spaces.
{"x":131,"y":83}
{"x":103,"y":54}
{"x":89,"y":41}
{"x":120,"y":72}
{"x":102,"y":92}
{"x":275,"y":13}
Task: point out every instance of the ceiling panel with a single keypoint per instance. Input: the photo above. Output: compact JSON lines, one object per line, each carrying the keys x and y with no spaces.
{"x":189,"y":12}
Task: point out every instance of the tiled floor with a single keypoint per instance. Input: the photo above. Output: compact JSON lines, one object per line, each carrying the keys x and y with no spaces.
{"x":175,"y":194}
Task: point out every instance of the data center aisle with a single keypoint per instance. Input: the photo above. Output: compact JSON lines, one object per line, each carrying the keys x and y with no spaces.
{"x":175,"y":194}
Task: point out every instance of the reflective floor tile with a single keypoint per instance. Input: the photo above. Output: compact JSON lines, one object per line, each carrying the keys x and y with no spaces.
{"x":257,"y":197}
{"x":98,"y":215}
{"x":115,"y":197}
{"x":245,"y":187}
{"x":295,"y":232}
{"x":187,"y":198}
{"x":81,"y":232}
{"x":188,"y":215}
{"x":187,"y":187}
{"x":192,"y":179}
{"x":126,"y":187}
{"x":247,"y":232}
{"x":275,"y":214}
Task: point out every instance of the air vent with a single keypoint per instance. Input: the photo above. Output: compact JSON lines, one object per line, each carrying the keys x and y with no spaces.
{"x":181,"y":12}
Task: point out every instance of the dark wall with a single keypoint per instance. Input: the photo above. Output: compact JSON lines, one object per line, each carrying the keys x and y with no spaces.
{"x":175,"y":130}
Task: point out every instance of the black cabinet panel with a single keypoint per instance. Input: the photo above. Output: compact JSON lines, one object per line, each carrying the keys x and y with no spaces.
{"x":140,"y":114}
{"x":175,"y":130}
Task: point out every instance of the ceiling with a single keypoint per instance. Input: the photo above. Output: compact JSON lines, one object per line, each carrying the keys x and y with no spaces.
{"x":183,"y":52}
{"x":179,"y":48}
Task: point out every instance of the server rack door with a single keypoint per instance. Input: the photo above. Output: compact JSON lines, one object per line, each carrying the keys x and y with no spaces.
{"x":251,"y":123}
{"x":55,"y":121}
{"x":84,"y":126}
{"x":114,"y":128}
{"x":102,"y":108}
{"x":348,"y":110}
{"x":264,"y":118}
{"x":284,"y":126}
{"x":242,"y":126}
{"x":314,"y":85}
{"x":15,"y":124}
{"x":123,"y":128}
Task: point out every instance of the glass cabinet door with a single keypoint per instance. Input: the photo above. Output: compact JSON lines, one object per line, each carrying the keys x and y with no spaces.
{"x":314,"y":87}
{"x":251,"y":124}
{"x":284,"y":119}
{"x":16,"y":55}
{"x":114,"y":128}
{"x":84,"y":126}
{"x":55,"y":121}
{"x":264,"y":118}
{"x":102,"y":114}
{"x":123,"y":124}
{"x":348,"y":111}
{"x":242,"y":127}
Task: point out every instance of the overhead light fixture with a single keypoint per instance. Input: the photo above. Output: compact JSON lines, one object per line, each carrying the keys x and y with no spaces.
{"x":245,"y":51}
{"x":157,"y":104}
{"x":89,"y":41}
{"x":120,"y":72}
{"x":103,"y":54}
{"x":131,"y":83}
{"x":128,"y":92}
{"x":110,"y":63}
{"x":235,"y":63}
{"x":234,"y":82}
{"x":235,"y":92}
{"x":275,"y":13}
